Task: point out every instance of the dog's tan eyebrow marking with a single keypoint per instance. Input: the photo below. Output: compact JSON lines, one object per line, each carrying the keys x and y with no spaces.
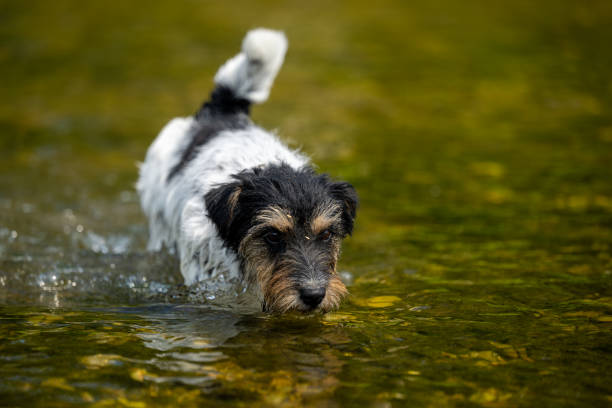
{"x":324,"y":217}
{"x":233,"y":201}
{"x":276,"y":217}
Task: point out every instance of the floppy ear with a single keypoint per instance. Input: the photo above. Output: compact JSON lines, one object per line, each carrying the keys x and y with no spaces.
{"x":222,"y":206}
{"x":346,"y":194}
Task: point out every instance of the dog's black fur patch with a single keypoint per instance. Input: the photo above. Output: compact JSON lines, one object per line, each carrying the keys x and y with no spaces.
{"x":223,"y":101}
{"x":224,"y":111}
{"x":297,"y":191}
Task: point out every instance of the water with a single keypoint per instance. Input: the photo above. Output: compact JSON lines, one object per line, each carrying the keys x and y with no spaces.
{"x":478,"y":135}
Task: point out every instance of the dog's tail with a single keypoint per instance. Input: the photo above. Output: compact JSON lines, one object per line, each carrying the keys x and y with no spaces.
{"x":247,"y":77}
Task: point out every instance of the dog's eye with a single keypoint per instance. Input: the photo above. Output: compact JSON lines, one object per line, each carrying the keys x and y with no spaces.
{"x":325,"y":235}
{"x":273,"y":237}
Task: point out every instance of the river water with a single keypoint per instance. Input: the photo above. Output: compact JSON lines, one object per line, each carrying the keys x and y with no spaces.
{"x":478,"y":135}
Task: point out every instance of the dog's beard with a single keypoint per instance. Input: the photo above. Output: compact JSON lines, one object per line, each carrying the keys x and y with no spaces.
{"x":280,"y":296}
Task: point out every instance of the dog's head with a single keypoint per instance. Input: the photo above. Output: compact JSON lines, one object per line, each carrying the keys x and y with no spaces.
{"x":286,"y":226}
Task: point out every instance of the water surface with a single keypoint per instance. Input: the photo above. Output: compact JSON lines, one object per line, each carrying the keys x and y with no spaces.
{"x":478,"y":135}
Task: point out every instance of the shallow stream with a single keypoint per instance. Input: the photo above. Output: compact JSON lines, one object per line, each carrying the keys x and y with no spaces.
{"x":478,"y":135}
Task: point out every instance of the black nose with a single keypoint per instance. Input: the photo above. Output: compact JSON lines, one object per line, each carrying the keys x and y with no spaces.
{"x":312,"y":297}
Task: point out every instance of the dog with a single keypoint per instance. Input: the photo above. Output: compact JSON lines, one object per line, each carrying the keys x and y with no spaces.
{"x":230,"y":197}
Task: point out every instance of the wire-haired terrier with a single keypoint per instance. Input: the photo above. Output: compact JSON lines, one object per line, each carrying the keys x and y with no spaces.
{"x":231,"y":198}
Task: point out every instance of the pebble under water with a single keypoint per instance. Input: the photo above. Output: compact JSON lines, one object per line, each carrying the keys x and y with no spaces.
{"x":478,"y":136}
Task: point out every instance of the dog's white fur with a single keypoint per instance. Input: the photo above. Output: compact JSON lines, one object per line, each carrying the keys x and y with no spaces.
{"x":176,"y":209}
{"x":251,"y":73}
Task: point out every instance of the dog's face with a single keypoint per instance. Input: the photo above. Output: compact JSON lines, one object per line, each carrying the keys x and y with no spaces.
{"x":286,"y":226}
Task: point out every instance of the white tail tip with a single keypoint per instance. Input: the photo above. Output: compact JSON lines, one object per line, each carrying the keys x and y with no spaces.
{"x":251,"y":73}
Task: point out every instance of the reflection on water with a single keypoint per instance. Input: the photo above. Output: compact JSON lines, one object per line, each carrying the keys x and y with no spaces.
{"x":477,"y":134}
{"x":167,"y":345}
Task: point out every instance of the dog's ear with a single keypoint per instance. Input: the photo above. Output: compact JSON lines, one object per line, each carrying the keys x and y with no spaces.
{"x":223,"y":207}
{"x":347,"y":196}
